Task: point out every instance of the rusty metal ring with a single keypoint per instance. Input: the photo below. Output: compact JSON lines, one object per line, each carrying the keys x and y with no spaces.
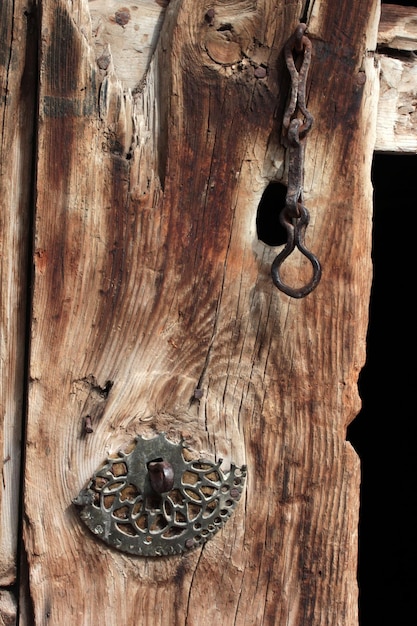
{"x":295,"y":239}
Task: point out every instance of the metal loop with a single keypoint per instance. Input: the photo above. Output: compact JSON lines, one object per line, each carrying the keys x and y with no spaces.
{"x":301,"y":44}
{"x":295,"y":217}
{"x":295,"y":169}
{"x":295,"y":239}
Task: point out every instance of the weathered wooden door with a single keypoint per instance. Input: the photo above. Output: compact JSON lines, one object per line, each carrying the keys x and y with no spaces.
{"x":137,"y":142}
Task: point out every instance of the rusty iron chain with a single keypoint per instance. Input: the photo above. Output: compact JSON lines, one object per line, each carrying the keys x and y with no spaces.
{"x":297,"y":123}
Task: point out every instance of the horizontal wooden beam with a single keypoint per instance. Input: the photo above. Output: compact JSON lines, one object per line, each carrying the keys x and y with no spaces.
{"x":397,"y":107}
{"x":398,"y":27}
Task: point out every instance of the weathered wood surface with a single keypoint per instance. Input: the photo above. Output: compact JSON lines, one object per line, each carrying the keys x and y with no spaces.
{"x":130,"y":40}
{"x":8,"y":608}
{"x":398,"y":27}
{"x":397,"y":107}
{"x":130,"y":31}
{"x":149,"y":274}
{"x":17,"y":107}
{"x":125,"y":33}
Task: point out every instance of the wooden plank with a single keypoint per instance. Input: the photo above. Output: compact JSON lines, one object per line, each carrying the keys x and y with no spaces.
{"x":150,"y":281}
{"x":125,"y":34}
{"x":398,"y":27}
{"x":17,"y":106}
{"x":397,"y":106}
{"x":8,"y":608}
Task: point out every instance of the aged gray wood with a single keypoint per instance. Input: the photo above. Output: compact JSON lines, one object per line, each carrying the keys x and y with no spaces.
{"x":8,"y":608}
{"x":398,"y":27}
{"x":17,"y":110}
{"x":397,"y":107}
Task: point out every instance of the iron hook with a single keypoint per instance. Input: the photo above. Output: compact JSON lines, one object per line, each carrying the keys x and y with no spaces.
{"x":295,"y":239}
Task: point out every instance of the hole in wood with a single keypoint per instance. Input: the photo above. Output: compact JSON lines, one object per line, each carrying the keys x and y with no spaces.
{"x":224,"y":27}
{"x":268,"y":227}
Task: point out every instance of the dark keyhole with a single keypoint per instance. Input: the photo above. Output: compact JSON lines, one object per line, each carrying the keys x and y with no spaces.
{"x":268,"y":227}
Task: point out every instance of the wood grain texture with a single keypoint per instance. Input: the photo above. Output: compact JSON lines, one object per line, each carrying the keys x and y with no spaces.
{"x":17,"y":107}
{"x":126,"y":37}
{"x":397,"y":107}
{"x":126,"y":33}
{"x":398,"y":27}
{"x":8,"y":608}
{"x":150,"y":281}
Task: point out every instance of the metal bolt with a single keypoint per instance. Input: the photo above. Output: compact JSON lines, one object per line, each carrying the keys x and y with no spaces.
{"x":209,"y":16}
{"x":198,"y":393}
{"x":361,"y":78}
{"x":88,"y":428}
{"x":161,"y":475}
{"x":260,"y":71}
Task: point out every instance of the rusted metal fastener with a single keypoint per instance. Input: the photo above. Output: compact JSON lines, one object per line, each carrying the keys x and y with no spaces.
{"x":198,"y":393}
{"x":301,"y":44}
{"x":295,"y":239}
{"x":161,"y":475}
{"x":88,"y":427}
{"x":156,"y":501}
{"x":297,"y":123}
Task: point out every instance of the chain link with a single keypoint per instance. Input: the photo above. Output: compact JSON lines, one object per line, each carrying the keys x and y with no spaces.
{"x":294,"y":216}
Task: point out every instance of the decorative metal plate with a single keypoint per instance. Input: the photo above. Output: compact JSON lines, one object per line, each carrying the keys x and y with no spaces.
{"x":125,"y":503}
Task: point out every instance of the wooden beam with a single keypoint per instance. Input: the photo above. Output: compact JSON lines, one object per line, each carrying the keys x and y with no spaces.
{"x":149,"y":273}
{"x":397,"y":106}
{"x":18,"y":52}
{"x":398,"y":27}
{"x":8,"y":608}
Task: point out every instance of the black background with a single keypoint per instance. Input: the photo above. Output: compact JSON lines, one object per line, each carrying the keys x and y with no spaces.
{"x":383,"y":434}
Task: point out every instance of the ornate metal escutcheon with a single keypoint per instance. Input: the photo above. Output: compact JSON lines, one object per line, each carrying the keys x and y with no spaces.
{"x":154,"y":501}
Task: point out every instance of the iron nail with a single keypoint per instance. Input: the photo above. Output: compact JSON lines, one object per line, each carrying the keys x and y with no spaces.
{"x":198,"y":393}
{"x":88,"y":428}
{"x":209,"y":16}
